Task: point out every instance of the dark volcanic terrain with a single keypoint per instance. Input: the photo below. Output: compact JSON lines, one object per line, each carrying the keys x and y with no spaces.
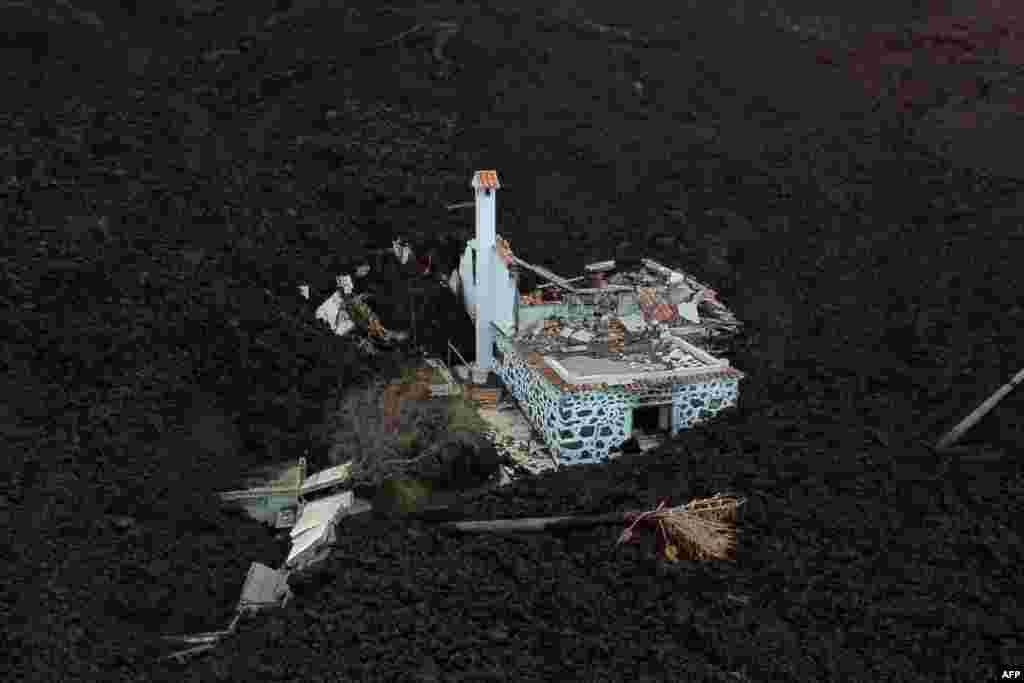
{"x":850,"y":183}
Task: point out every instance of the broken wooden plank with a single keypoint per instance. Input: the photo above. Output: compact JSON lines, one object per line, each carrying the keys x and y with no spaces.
{"x":981,"y":411}
{"x":181,"y":655}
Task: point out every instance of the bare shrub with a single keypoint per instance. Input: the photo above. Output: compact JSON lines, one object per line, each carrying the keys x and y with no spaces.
{"x":358,"y":431}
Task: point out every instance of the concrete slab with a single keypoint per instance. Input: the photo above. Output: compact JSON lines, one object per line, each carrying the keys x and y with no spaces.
{"x":583,"y":366}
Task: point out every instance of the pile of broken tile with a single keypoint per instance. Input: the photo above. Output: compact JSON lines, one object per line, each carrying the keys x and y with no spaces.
{"x":674,"y":308}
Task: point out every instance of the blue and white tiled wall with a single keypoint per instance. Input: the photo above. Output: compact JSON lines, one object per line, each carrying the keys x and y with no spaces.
{"x":583,"y":427}
{"x":699,"y":401}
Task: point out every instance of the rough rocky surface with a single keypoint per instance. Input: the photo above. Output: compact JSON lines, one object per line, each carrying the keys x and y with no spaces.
{"x":171,"y":175}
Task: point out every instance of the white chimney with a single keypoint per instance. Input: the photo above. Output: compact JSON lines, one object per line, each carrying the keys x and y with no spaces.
{"x":485,"y":183}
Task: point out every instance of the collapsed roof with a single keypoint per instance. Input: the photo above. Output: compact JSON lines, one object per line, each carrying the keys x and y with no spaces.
{"x":651,"y":319}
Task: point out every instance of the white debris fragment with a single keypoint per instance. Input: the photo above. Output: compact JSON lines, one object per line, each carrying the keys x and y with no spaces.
{"x":600,"y":266}
{"x":344,"y":283}
{"x":582,"y":336}
{"x":324,"y":479}
{"x":263,"y":587}
{"x":403,"y":252}
{"x":453,"y":281}
{"x":688,"y":311}
{"x":333,"y":312}
{"x":363,"y":270}
{"x":634,"y":323}
{"x":679,"y":293}
{"x":314,"y":524}
{"x":304,"y":291}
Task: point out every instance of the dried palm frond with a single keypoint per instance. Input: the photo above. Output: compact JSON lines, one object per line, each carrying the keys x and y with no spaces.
{"x":702,"y":529}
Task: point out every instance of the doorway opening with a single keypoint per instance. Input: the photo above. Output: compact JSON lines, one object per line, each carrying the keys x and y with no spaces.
{"x":652,"y":419}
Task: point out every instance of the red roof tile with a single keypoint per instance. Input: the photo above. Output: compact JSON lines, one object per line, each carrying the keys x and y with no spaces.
{"x":665,"y":312}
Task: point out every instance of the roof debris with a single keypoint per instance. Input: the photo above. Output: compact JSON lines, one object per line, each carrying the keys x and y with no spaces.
{"x":672,"y":323}
{"x":650,"y":301}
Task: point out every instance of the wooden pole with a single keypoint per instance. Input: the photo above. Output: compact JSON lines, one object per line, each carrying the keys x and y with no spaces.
{"x":958,"y":431}
{"x":537,"y":524}
{"x":541,"y":524}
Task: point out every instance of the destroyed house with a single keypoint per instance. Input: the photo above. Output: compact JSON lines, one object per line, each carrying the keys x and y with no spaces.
{"x":595,"y":359}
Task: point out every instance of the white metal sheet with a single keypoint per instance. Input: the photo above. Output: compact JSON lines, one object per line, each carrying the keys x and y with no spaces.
{"x":321,"y":512}
{"x":305,"y":541}
{"x":263,"y":586}
{"x":327,"y":477}
{"x":332,"y":311}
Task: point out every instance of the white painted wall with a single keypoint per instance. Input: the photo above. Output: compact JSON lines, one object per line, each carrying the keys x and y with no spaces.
{"x":485,"y":259}
{"x":504,"y":286}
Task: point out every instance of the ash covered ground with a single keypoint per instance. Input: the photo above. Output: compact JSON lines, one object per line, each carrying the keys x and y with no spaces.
{"x":171,"y":177}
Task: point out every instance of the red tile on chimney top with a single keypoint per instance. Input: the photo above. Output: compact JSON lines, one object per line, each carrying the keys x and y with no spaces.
{"x":486,"y":179}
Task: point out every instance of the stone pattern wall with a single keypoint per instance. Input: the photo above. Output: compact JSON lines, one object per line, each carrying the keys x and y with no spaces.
{"x":698,"y":401}
{"x":580,"y":427}
{"x":590,"y":424}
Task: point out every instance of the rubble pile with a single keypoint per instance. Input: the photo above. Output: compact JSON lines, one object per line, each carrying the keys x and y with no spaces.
{"x":635,"y":314}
